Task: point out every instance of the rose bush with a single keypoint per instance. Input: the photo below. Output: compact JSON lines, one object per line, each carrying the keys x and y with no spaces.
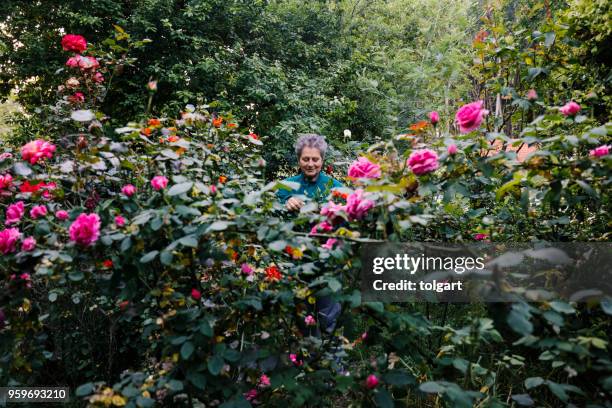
{"x":204,"y":287}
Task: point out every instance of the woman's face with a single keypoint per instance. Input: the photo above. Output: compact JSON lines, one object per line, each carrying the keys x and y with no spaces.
{"x":311,"y":162}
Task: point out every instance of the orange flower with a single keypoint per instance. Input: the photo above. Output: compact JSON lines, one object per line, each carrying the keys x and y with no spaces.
{"x":338,"y":194}
{"x":254,"y":136}
{"x":419,"y":126}
{"x":222,"y":179}
{"x":210,"y":145}
{"x":173,"y":138}
{"x":273,"y":274}
{"x":231,"y":125}
{"x":217,"y":122}
{"x":161,"y":140}
{"x":107,"y":263}
{"x":154,"y":122}
{"x":480,"y":37}
{"x":146,"y":131}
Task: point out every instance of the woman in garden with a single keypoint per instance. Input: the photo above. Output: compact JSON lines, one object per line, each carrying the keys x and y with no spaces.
{"x":316,"y":185}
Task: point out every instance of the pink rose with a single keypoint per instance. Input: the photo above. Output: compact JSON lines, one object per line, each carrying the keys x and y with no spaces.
{"x":532,"y":95}
{"x":78,"y":97}
{"x":72,"y":82}
{"x":128,"y":190}
{"x":119,"y":221}
{"x":600,"y":151}
{"x":37,"y":150}
{"x":310,"y":321}
{"x":152,"y":86}
{"x":14,"y":212}
{"x":5,"y":155}
{"x":434,"y":117}
{"x":423,"y":161}
{"x":159,"y":182}
{"x":8,"y":240}
{"x":73,"y":62}
{"x":357,"y":205}
{"x":38,"y":211}
{"x":61,"y":215}
{"x":480,"y":236}
{"x":363,"y":168}
{"x":98,"y":78}
{"x":470,"y":116}
{"x":570,"y":109}
{"x":452,"y":149}
{"x":331,"y":210}
{"x":85,"y":230}
{"x":371,"y":382}
{"x":294,"y":359}
{"x":264,"y":381}
{"x":28,"y":244}
{"x":88,"y":63}
{"x":329,"y":244}
{"x":321,"y":227}
{"x":246,"y":269}
{"x":196,"y":294}
{"x":74,"y":43}
{"x":250,"y":395}
{"x":213,"y":189}
{"x":6,"y":181}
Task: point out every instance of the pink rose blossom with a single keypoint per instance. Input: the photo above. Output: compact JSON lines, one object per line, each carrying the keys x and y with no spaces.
{"x":159,"y":182}
{"x":37,"y":150}
{"x":246,"y":269}
{"x":72,"y":82}
{"x":61,"y":215}
{"x":470,"y":116}
{"x":213,"y":189}
{"x":152,"y":86}
{"x":434,"y":117}
{"x":98,"y":77}
{"x":532,"y":95}
{"x":77,"y":98}
{"x":371,"y":382}
{"x":74,"y":42}
{"x":88,"y":63}
{"x":264,"y":381}
{"x":294,"y":359}
{"x":357,"y":205}
{"x":310,"y":321}
{"x":329,"y":244}
{"x":8,"y":240}
{"x":321,"y":227}
{"x":600,"y":151}
{"x":196,"y":294}
{"x":570,"y":109}
{"x":128,"y":190}
{"x":38,"y":211}
{"x":5,"y":155}
{"x":331,"y":210}
{"x":452,"y":149}
{"x":423,"y":161}
{"x":364,"y":336}
{"x":119,"y":221}
{"x":250,"y":395}
{"x":363,"y":168}
{"x":480,"y":236}
{"x":6,"y":181}
{"x":14,"y":212}
{"x":73,"y":62}
{"x":28,"y":244}
{"x":85,"y":230}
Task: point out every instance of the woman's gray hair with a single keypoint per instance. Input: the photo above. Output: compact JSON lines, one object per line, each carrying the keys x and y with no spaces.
{"x":311,"y":140}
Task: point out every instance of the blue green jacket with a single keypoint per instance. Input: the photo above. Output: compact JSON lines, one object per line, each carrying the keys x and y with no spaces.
{"x":317,"y":190}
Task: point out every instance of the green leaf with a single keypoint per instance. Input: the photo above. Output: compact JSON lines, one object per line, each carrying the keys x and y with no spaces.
{"x":205,"y":329}
{"x":189,"y":241}
{"x":549,"y":39}
{"x":562,"y":307}
{"x":187,"y":350}
{"x":215,"y":364}
{"x":334,"y":284}
{"x":523,"y":399}
{"x":76,"y":276}
{"x":519,"y":322}
{"x":145,"y":402}
{"x":383,"y":399}
{"x":197,"y":379}
{"x":84,"y":390}
{"x":398,"y":378}
{"x":558,"y":390}
{"x":181,"y":188}
{"x":533,"y":382}
{"x":606,"y":305}
{"x":148,"y":257}
{"x":431,"y":387}
{"x":219,"y":226}
{"x":166,"y":257}
{"x":175,"y":385}
{"x":52,"y":297}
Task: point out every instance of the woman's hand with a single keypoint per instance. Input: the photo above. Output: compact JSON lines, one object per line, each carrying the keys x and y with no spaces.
{"x":294,"y":204}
